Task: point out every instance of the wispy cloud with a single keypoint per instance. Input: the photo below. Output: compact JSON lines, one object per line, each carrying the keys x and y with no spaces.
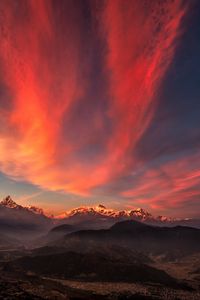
{"x":74,"y":117}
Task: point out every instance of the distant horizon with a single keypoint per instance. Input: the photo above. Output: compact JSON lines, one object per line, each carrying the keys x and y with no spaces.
{"x":95,"y":206}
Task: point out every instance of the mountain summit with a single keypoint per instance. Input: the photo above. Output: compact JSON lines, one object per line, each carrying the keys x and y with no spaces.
{"x":101,"y":215}
{"x":96,"y":216}
{"x":101,"y":210}
{"x":8,"y":202}
{"x":15,"y":217}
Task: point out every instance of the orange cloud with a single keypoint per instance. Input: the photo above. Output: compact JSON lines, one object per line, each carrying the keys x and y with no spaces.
{"x":141,"y":43}
{"x":168,"y":186}
{"x":45,"y":55}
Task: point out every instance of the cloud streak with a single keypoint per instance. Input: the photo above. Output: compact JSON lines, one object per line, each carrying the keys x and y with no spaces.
{"x":171,"y":185}
{"x":79,"y":87}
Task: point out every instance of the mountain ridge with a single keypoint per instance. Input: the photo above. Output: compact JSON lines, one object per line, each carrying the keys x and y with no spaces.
{"x":103,"y":214}
{"x":102,"y":210}
{"x":16,"y":219}
{"x":9,"y":203}
{"x":98,"y":215}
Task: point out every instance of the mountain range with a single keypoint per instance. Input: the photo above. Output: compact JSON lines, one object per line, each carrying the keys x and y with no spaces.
{"x":31,"y":217}
{"x":106,"y":216}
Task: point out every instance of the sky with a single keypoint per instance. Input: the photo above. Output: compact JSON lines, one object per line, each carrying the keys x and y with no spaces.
{"x":100,"y":103}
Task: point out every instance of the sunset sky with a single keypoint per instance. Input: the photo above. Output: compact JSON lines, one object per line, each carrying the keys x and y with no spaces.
{"x":100,"y":103}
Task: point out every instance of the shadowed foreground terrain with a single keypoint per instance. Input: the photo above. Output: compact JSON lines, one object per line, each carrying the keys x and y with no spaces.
{"x":130,"y":260}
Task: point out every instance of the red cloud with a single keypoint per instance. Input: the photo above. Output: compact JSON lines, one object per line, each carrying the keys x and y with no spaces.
{"x":169,"y":186}
{"x":141,"y":42}
{"x":47,"y":71}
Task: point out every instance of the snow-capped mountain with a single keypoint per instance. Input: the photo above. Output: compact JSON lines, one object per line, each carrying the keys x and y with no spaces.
{"x":35,"y":209}
{"x":18,"y":217}
{"x":13,"y":214}
{"x":101,"y":211}
{"x":104,"y":217}
{"x":9,"y":203}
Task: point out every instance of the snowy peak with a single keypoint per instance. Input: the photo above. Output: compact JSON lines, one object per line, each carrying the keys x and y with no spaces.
{"x":86,"y":211}
{"x":98,"y":214}
{"x":22,"y":218}
{"x":9,"y":203}
{"x":140,"y":213}
{"x":36,"y":210}
{"x":101,"y":211}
